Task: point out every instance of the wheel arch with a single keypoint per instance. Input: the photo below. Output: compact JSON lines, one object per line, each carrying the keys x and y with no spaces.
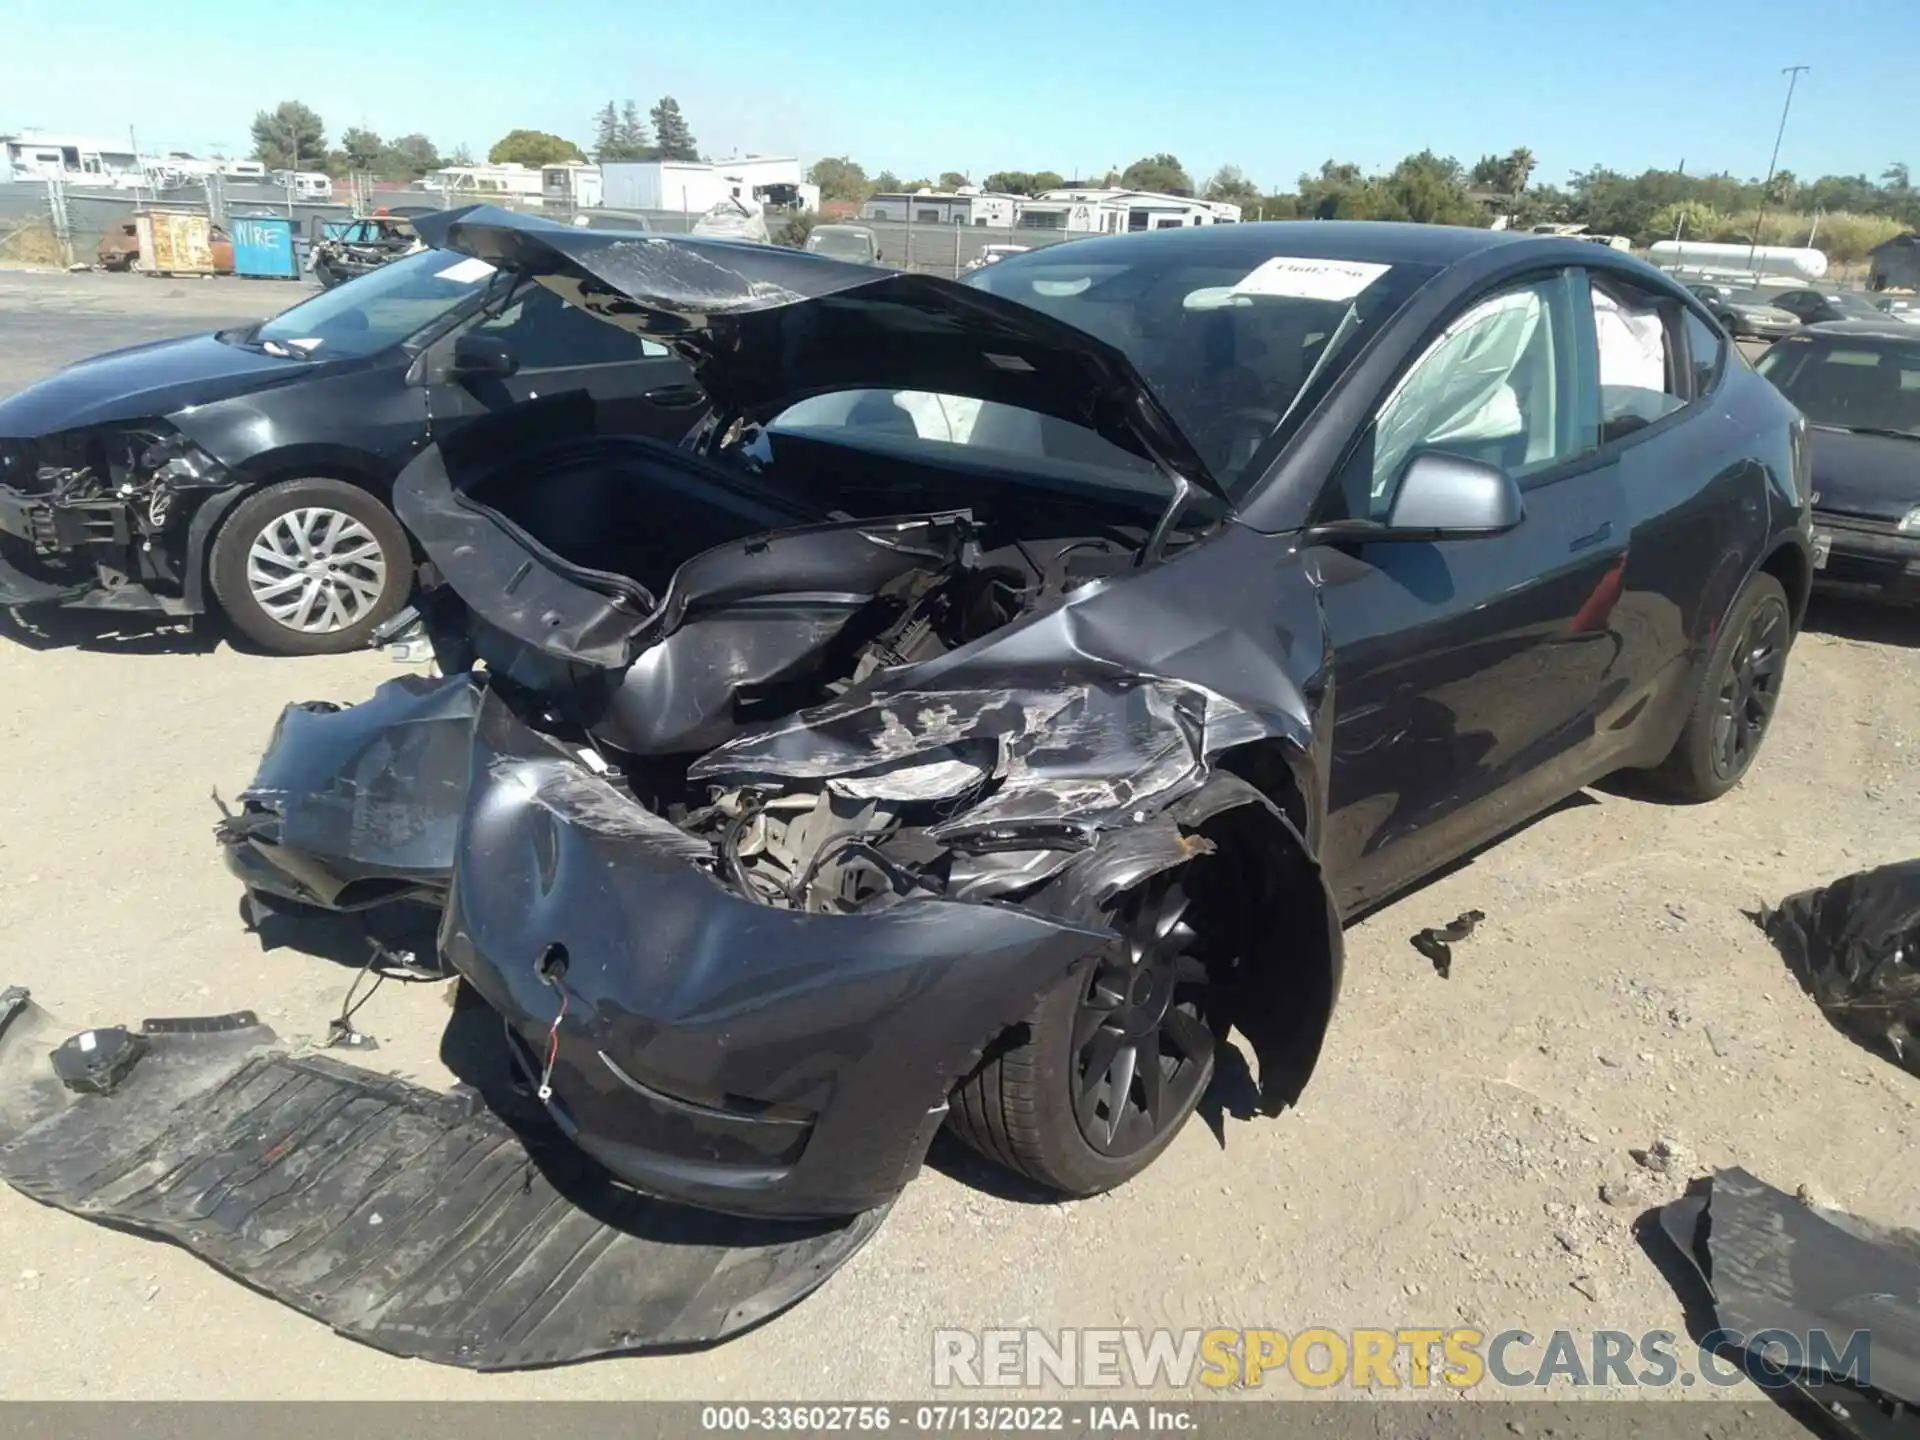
{"x":304,"y":462}
{"x":1290,"y":927}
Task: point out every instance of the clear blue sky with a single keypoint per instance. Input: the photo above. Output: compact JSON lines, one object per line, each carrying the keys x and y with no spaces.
{"x":978,"y":85}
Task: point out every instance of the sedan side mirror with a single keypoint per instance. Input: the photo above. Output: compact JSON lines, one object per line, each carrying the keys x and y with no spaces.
{"x":483,"y":355}
{"x":1449,"y":497}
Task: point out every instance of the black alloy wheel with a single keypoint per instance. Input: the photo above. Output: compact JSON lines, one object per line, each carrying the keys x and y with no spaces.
{"x":1751,"y":688}
{"x":1142,"y":1052}
{"x":1736,"y":696}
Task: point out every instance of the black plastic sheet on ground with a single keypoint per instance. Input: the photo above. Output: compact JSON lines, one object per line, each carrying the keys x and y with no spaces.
{"x":1854,"y":946}
{"x":415,"y":1221}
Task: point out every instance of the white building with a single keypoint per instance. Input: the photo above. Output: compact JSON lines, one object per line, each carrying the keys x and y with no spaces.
{"x":573,"y":186}
{"x":1116,"y":212}
{"x":46,"y":155}
{"x":694,"y":187}
{"x":509,"y":179}
{"x":966,"y":206}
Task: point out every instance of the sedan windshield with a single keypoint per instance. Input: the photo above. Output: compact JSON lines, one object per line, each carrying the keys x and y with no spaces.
{"x":1872,"y":386}
{"x":382,"y":308}
{"x":1236,"y":352}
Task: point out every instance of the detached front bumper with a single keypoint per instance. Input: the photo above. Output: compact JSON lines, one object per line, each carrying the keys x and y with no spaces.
{"x":705,"y":1047}
{"x":1869,"y":559}
{"x":357,"y":807}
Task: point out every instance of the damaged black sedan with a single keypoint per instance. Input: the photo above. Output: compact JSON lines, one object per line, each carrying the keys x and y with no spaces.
{"x":1012,"y":686}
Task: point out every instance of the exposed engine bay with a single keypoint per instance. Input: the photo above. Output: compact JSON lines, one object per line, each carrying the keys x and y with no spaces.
{"x":103,"y":503}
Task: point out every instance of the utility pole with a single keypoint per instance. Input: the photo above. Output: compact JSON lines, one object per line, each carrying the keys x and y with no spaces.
{"x":1793,"y":74}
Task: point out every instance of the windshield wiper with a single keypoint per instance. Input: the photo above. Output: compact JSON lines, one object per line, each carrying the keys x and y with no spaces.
{"x":279,"y":349}
{"x":1867,"y":430}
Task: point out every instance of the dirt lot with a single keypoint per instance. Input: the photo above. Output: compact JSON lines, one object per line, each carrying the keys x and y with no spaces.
{"x":1445,"y":1167}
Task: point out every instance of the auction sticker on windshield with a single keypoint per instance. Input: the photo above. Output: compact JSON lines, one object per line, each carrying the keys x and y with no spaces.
{"x":1310,"y":279}
{"x":465,"y":272}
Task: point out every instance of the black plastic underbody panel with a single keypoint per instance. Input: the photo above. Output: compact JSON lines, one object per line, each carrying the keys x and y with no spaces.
{"x":414,"y":1221}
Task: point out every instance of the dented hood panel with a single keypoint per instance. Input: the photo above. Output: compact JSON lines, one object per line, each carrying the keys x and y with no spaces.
{"x":765,"y":327}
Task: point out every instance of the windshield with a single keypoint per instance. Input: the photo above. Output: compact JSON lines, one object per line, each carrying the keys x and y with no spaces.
{"x":376,"y":310}
{"x":1238,"y":350}
{"x":1852,"y":387}
{"x":839,"y":245}
{"x":1850,"y":304}
{"x":1750,"y":297}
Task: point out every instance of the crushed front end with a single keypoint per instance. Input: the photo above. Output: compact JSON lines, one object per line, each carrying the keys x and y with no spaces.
{"x":100,"y":518}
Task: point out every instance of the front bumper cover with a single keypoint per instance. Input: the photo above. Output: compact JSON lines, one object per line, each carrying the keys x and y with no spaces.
{"x":714,"y":1050}
{"x":1869,"y":559}
{"x":359,"y":806}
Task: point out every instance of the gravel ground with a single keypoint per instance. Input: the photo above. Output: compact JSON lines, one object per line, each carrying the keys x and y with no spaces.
{"x":1447,"y":1164}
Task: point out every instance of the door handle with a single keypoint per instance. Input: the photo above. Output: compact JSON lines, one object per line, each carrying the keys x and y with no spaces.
{"x":676,"y":397}
{"x":1593,"y":537}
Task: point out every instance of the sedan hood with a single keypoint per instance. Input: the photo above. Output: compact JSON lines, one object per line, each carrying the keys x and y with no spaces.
{"x":144,"y":381}
{"x":1873,"y":476}
{"x":765,"y":327}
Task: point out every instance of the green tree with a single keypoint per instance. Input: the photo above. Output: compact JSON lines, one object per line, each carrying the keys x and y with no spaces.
{"x":631,"y":134}
{"x":793,"y":234}
{"x":1229,"y":182}
{"x":952,"y":180}
{"x":1044,"y":180}
{"x":289,"y":136}
{"x":533,"y":148}
{"x":1162,"y":174}
{"x":672,"y":138}
{"x":839,"y":179}
{"x":1517,"y":170}
{"x":1898,"y":177}
{"x":461,"y":156}
{"x":620,"y":134}
{"x":886,"y":183}
{"x":362,"y":147}
{"x":410,"y":157}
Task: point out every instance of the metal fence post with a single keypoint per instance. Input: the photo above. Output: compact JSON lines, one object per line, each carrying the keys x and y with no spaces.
{"x":62,"y":222}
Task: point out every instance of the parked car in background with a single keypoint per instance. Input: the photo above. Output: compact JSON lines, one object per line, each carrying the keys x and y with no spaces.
{"x":349,"y":248}
{"x":1858,"y":384}
{"x":856,"y":244}
{"x":1010,"y":691}
{"x":1747,"y":313}
{"x":249,"y":470}
{"x":993,"y":255}
{"x":119,"y":248}
{"x":1900,"y":307}
{"x":1817,"y":307}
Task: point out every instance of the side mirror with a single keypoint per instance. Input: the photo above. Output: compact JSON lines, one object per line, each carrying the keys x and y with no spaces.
{"x":1444,"y":497}
{"x":483,"y":355}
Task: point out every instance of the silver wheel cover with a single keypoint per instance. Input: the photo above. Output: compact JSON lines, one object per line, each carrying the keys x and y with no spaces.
{"x":316,"y":570}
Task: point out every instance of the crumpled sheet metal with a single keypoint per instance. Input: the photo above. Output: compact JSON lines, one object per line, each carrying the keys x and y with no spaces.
{"x":1775,"y":1264}
{"x":380,"y":784}
{"x":1854,"y":946}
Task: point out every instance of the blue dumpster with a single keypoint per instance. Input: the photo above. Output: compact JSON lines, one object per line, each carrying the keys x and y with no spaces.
{"x":263,"y":247}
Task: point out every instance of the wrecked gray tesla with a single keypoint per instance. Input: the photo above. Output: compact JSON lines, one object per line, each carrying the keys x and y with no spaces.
{"x":1009,"y":688}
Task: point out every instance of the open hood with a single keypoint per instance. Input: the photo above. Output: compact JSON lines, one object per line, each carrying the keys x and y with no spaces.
{"x":765,"y":327}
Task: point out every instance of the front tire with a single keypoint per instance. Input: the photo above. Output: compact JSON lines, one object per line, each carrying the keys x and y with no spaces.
{"x":310,"y":567}
{"x":1112,"y":1061}
{"x":1737,"y":696}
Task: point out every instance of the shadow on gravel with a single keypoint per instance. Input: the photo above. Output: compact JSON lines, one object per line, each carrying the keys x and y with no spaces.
{"x":1861,"y":620}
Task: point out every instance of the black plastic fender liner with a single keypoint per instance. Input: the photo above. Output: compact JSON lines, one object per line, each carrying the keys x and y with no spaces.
{"x":416,"y":1222}
{"x":1775,"y":1266}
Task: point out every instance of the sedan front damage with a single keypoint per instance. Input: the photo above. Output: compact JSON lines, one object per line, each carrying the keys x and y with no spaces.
{"x":793,"y":823}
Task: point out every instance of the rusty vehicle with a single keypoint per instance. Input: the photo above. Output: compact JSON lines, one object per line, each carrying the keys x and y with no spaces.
{"x":119,"y":248}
